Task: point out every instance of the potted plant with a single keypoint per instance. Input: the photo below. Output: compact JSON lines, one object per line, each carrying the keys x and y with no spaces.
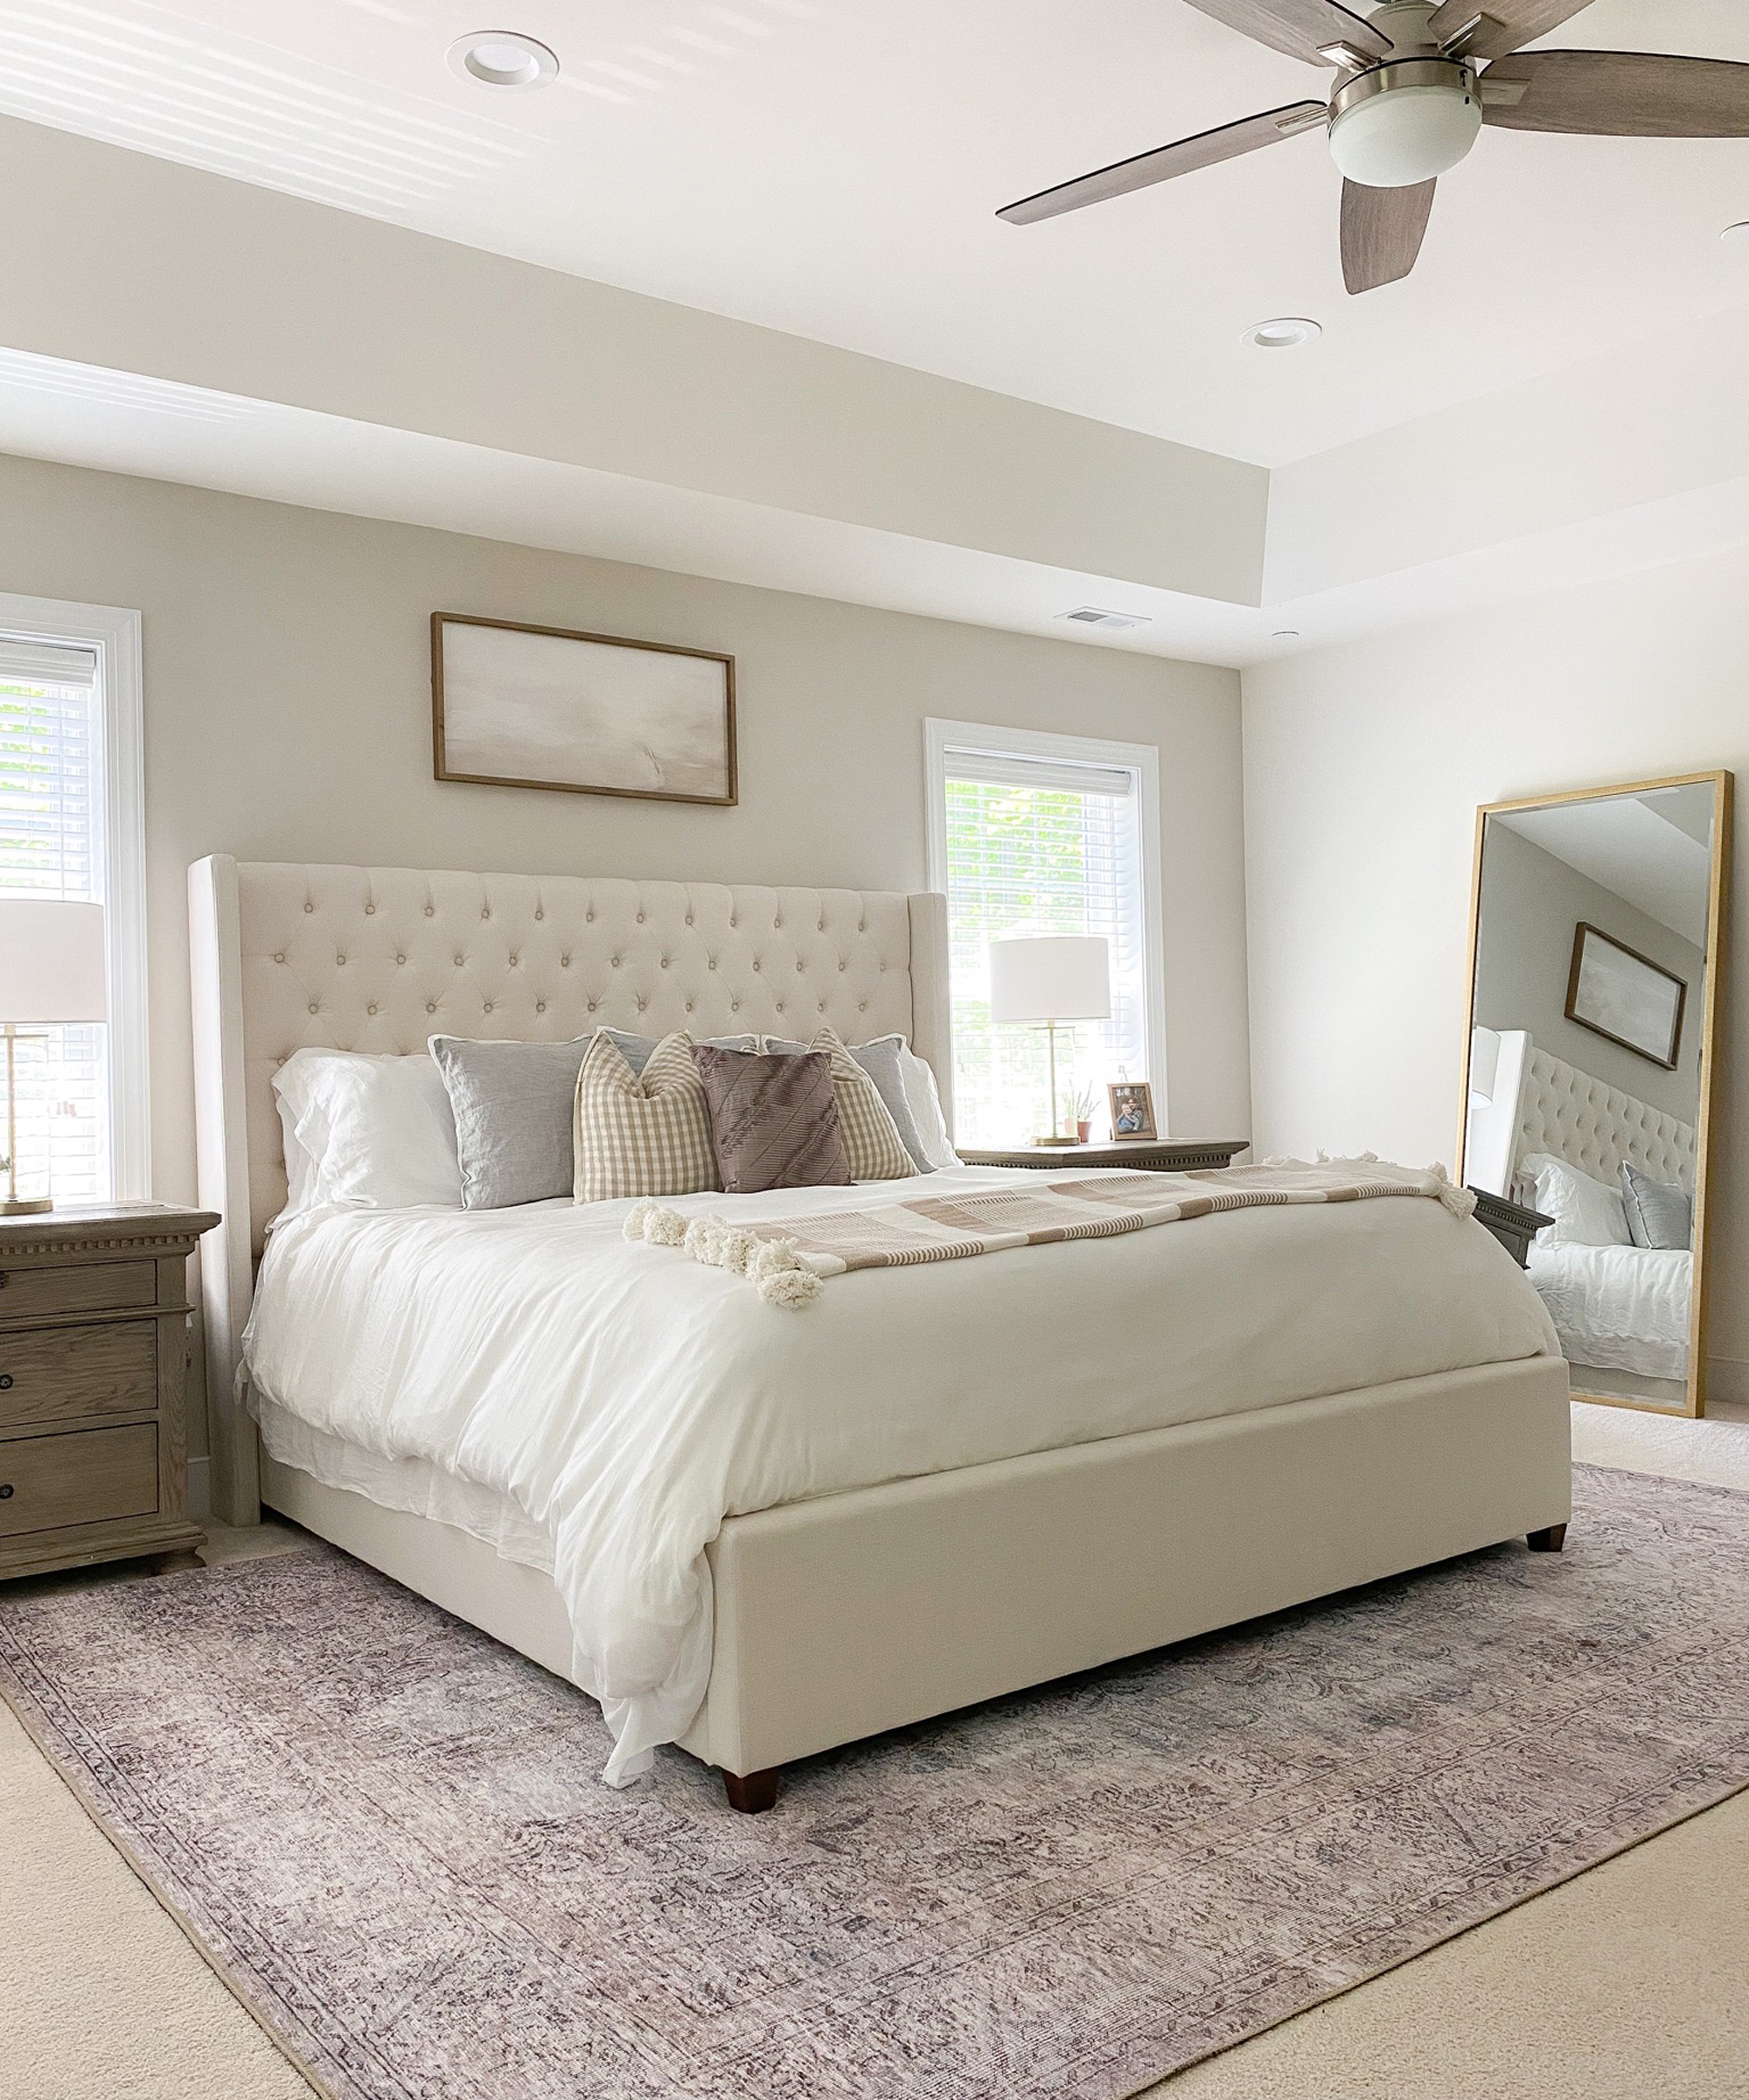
{"x":1083,"y":1106}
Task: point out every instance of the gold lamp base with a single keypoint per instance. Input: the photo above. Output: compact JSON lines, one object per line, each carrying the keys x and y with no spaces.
{"x":1050,"y":1039}
{"x":12,"y":1205}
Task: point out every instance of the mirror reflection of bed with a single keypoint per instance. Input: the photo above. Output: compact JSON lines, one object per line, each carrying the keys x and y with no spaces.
{"x":1592,"y":1010}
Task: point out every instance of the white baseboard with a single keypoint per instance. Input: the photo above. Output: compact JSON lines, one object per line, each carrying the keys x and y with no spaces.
{"x":200,"y":1488}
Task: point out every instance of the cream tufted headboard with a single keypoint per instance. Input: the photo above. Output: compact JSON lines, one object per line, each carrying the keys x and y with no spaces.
{"x":378,"y":959}
{"x":1598,"y":1128}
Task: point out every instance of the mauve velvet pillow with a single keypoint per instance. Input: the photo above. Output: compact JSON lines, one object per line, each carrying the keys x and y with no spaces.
{"x":774,"y":1120}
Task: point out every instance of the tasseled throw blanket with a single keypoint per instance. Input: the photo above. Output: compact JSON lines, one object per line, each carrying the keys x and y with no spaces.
{"x":788,"y":1261}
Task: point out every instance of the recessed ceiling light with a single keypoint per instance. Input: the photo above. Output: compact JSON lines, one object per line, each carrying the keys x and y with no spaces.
{"x":1738,"y":236}
{"x":501,"y":57}
{"x":1286,"y":334}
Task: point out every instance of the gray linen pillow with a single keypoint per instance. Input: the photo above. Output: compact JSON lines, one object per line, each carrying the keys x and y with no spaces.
{"x":881,"y":1059}
{"x":512,"y":1104}
{"x":635,"y":1048}
{"x":1660,"y":1214}
{"x":773,"y":1120}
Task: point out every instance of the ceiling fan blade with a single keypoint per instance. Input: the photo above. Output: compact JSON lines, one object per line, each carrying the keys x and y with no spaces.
{"x":1381,"y":232}
{"x":1506,"y":24}
{"x":1303,"y":29}
{"x":1617,"y":94}
{"x":1180,"y":159}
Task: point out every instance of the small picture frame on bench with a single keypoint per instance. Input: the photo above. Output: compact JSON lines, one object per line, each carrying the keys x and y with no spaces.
{"x":1131,"y":1104}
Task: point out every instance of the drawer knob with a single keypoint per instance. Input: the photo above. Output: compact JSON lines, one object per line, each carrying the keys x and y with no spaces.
{"x":5,"y":1381}
{"x":6,"y":1491}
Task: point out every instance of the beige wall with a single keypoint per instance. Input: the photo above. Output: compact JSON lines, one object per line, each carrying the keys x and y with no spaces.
{"x":288,"y":717}
{"x":1363,"y":768}
{"x":198,"y":278}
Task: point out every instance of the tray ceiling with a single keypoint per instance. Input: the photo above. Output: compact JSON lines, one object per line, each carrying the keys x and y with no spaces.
{"x":831,"y":168}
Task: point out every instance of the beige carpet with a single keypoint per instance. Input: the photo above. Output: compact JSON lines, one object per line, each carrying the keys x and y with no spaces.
{"x":1621,"y":1985}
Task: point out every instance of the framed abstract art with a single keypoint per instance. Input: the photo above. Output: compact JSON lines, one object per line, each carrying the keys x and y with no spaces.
{"x":514,"y":705}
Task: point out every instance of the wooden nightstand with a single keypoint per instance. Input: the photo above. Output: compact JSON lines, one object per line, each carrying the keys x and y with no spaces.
{"x":94,"y":1336}
{"x":1513,"y":1224}
{"x":1144,"y":1156}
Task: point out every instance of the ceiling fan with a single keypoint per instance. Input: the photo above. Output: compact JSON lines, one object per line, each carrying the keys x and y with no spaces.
{"x":1411,"y":97}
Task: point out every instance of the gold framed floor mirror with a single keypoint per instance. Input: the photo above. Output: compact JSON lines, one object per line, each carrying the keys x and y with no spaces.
{"x":1597,"y":943}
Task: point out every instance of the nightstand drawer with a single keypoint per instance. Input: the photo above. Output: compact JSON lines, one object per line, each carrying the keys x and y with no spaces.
{"x":57,"y":1374}
{"x":83,"y":1476}
{"x":92,"y":1287}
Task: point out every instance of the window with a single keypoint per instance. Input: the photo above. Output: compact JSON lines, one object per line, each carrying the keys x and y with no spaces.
{"x":1035,"y":833}
{"x":71,"y":826}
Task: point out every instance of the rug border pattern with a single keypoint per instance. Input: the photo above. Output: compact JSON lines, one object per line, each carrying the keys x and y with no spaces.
{"x":60,"y":1745}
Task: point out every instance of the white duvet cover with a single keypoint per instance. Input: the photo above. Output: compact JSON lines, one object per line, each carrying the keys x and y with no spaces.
{"x":1619,"y":1308}
{"x":628,"y":1398}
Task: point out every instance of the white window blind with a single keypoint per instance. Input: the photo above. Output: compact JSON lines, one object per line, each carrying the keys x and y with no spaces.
{"x":51,"y":844}
{"x":1041,"y":844}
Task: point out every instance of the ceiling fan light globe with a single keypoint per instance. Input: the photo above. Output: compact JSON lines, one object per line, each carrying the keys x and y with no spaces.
{"x":1396,"y":134}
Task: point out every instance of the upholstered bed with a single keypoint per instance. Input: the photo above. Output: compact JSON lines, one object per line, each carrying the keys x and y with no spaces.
{"x":845,"y":1610}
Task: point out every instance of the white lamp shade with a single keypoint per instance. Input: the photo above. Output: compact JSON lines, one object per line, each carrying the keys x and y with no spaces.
{"x":52,"y":963}
{"x":1051,"y":977}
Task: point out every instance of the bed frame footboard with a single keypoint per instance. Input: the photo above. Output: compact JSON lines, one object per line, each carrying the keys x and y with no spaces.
{"x":845,"y":1617}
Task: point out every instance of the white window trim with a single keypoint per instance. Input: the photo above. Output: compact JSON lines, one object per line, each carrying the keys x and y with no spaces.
{"x":114,"y":632}
{"x":1142,"y":760}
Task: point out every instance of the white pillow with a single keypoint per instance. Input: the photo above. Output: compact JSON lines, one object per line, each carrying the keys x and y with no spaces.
{"x":373,"y":1133}
{"x":1587,"y":1213}
{"x":924,"y":1103}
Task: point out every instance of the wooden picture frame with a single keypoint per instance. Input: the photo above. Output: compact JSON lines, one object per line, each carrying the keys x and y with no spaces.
{"x":514,"y":704}
{"x":1131,"y":1101}
{"x":1608,"y":980}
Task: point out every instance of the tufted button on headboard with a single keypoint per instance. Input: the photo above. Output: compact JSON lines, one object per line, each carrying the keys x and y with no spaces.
{"x":285,"y":956}
{"x":1598,"y":1128}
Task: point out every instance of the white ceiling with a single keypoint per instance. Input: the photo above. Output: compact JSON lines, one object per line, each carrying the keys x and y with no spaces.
{"x":1653,"y":850}
{"x":832,"y":167}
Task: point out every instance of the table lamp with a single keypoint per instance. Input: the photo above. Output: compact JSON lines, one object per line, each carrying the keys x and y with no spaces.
{"x":51,"y":970}
{"x":1049,"y":980}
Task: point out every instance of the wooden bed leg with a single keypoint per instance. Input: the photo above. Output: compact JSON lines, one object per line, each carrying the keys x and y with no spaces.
{"x":751,"y":1792}
{"x":1549,"y":1541}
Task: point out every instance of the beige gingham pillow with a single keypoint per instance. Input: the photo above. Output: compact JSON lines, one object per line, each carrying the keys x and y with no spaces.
{"x":647,"y":1135}
{"x":873,"y":1149}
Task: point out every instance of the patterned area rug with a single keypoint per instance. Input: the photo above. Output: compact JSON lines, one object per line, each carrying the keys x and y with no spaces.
{"x":387,"y":1835}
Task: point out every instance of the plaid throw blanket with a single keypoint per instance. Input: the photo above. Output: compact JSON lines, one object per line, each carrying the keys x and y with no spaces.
{"x":788,"y":1260}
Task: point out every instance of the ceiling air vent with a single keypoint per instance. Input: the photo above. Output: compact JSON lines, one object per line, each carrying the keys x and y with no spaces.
{"x":1094,"y":616}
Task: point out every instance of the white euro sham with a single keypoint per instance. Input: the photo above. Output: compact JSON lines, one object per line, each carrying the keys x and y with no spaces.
{"x":365,"y":1133}
{"x":924,"y":1098}
{"x":1587,"y":1213}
